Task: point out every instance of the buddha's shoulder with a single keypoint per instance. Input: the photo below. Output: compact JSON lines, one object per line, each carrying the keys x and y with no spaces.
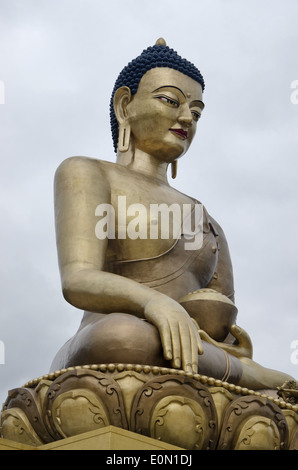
{"x":79,"y":165}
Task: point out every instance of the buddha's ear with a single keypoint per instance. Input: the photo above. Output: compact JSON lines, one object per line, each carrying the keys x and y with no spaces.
{"x":122,"y":98}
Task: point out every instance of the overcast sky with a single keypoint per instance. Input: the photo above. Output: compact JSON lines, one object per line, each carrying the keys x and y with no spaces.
{"x":58,"y":62}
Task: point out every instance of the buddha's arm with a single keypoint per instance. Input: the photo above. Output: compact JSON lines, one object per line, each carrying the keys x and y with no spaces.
{"x":80,"y":185}
{"x":223,"y":282}
{"x":223,"y":279}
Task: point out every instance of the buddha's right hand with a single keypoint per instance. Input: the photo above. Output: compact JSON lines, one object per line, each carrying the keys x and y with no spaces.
{"x":179,"y":335}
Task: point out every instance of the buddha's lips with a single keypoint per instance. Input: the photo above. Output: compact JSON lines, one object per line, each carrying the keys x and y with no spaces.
{"x":180,"y":132}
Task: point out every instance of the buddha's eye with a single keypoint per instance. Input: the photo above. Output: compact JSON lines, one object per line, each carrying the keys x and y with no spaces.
{"x":168,"y":100}
{"x":196,"y":116}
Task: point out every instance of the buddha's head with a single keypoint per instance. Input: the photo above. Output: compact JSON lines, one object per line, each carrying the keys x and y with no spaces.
{"x":157,"y":101}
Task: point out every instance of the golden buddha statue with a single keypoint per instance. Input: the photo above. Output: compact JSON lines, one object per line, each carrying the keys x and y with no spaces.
{"x":148,"y":299}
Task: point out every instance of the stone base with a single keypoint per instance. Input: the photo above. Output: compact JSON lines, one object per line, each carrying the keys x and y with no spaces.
{"x":108,"y":438}
{"x":133,"y":406}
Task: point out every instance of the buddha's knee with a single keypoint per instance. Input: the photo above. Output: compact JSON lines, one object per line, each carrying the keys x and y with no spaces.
{"x":117,"y":338}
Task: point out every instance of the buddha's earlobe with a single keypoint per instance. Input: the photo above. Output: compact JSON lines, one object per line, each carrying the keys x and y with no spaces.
{"x":124,"y":137}
{"x":174,"y":166}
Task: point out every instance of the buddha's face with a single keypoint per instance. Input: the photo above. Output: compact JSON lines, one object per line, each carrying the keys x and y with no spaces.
{"x":164,"y":112}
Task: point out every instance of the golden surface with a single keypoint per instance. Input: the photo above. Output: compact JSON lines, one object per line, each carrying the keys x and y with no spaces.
{"x":160,"y":318}
{"x":71,"y":407}
{"x":109,"y":438}
{"x":121,"y":281}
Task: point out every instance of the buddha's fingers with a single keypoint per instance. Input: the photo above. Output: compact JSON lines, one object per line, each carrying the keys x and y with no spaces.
{"x":166,"y":340}
{"x":242,"y":347}
{"x":196,"y":346}
{"x":190,"y":347}
{"x":180,"y":345}
{"x":243,"y":340}
{"x":176,"y":345}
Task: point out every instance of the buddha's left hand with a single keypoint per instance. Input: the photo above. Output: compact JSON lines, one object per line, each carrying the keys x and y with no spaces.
{"x":242,"y":347}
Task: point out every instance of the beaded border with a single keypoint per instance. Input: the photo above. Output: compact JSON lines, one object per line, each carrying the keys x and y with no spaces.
{"x":156,"y":370}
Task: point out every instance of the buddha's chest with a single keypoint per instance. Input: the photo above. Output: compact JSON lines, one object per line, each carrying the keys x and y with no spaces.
{"x":146,"y":222}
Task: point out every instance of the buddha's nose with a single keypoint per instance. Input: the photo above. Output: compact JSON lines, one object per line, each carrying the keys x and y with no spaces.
{"x":185,"y":116}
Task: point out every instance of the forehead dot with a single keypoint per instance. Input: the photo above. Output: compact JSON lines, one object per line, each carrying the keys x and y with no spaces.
{"x":188,"y":95}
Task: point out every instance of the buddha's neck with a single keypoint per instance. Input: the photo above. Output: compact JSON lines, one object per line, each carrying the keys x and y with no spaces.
{"x":145,"y":164}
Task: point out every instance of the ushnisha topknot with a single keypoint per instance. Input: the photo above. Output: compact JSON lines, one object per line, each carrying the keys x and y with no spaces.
{"x":159,"y":55}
